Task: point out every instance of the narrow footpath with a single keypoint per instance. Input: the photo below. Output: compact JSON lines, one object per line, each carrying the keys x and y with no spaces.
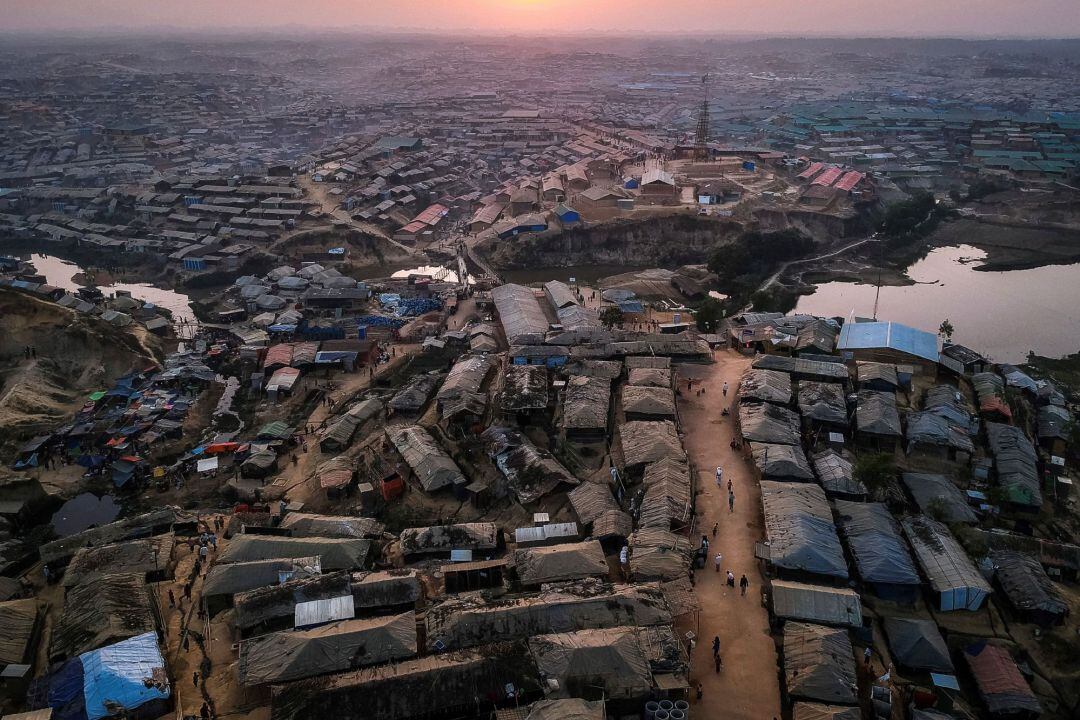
{"x":747,"y":688}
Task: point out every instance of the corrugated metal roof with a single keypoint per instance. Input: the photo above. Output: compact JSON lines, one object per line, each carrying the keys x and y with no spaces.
{"x":317,"y":612}
{"x":876,"y":335}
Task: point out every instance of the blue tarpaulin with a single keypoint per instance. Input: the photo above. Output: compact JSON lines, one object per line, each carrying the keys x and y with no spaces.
{"x":127,"y":675}
{"x":91,"y":461}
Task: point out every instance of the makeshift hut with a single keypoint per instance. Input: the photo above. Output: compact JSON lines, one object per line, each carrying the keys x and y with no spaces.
{"x":300,"y":524}
{"x":768,"y":423}
{"x":19,"y":628}
{"x":1032,"y":594}
{"x":816,"y":604}
{"x":817,"y":711}
{"x":659,"y":554}
{"x":819,"y":664}
{"x":586,"y":407}
{"x":152,"y":558}
{"x":801,"y":537}
{"x":334,"y":553}
{"x":644,"y":442}
{"x":523,"y":319}
{"x":759,"y":385}
{"x":1001,"y":685}
{"x":525,"y":389}
{"x":803,"y":369}
{"x":225,"y":580}
{"x":434,"y":469}
{"x":938,"y":497}
{"x":336,"y":647}
{"x":530,"y":472}
{"x":934,"y":435}
{"x":275,"y":605}
{"x":877,"y":420}
{"x":611,"y":659}
{"x":414,"y":395}
{"x":392,"y":589}
{"x":881,"y":556}
{"x":571,"y":561}
{"x":1015,"y":465}
{"x":836,"y":475}
{"x":339,"y":432}
{"x":100,"y":612}
{"x":468,"y":620}
{"x":647,"y":403}
{"x":409,"y":689}
{"x":823,"y":405}
{"x":956,"y":582}
{"x":649,"y":377}
{"x":781,"y":462}
{"x":668,"y":502}
{"x":916,"y":644}
{"x":443,"y":539}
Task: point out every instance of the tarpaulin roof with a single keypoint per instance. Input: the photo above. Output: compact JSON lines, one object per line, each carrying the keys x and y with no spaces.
{"x":1014,"y":463}
{"x":337,"y":472}
{"x":781,"y":462}
{"x":936,"y":494}
{"x":800,"y":531}
{"x":416,"y":392}
{"x":444,"y":538}
{"x":569,"y":561}
{"x":525,"y":387}
{"x":335,"y":553}
{"x":1000,"y":683}
{"x":836,"y":474}
{"x":123,"y":676}
{"x":433,"y":467}
{"x":800,"y":367}
{"x":816,"y":603}
{"x":873,"y":537}
{"x":522,"y":318}
{"x":768,"y":423}
{"x":1026,"y":584}
{"x":609,"y":657}
{"x":817,"y":711}
{"x":531,"y":472}
{"x":101,"y":611}
{"x":931,"y":428}
{"x":343,"y":526}
{"x":876,"y":413}
{"x":233,"y":578}
{"x":765,"y":386}
{"x":279,"y":601}
{"x":339,"y":646}
{"x":823,"y":402}
{"x":945,"y":564}
{"x":917,"y":644}
{"x":819,"y":663}
{"x":465,"y":620}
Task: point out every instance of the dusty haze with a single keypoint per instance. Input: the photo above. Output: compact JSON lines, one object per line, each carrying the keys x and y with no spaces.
{"x":1027,"y":18}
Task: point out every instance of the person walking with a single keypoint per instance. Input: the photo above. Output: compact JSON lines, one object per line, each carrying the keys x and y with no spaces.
{"x":717,"y":560}
{"x":716,"y":646}
{"x":725,"y":388}
{"x":715,"y":528}
{"x":730,"y":579}
{"x":731,"y":500}
{"x":195,"y":678}
{"x":743,"y":584}
{"x":718,"y":663}
{"x":719,"y":476}
{"x":172,"y":599}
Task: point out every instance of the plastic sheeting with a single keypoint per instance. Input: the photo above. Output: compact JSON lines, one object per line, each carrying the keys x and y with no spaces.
{"x":819,"y":664}
{"x":873,"y":537}
{"x":800,"y":531}
{"x":124,"y":676}
{"x":917,"y":644}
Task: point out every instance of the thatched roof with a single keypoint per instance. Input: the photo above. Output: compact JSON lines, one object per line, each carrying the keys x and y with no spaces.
{"x":415,"y":393}
{"x":645,"y":441}
{"x":530,"y":471}
{"x":138,"y":525}
{"x":587,"y":403}
{"x":336,"y":647}
{"x":444,"y":538}
{"x":149,"y":556}
{"x":101,"y":612}
{"x":590,"y":500}
{"x":668,"y":497}
{"x":781,"y":462}
{"x":659,"y":554}
{"x":655,"y":402}
{"x":18,"y":622}
{"x":649,"y":377}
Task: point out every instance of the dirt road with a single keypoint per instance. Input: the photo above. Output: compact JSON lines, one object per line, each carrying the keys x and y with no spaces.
{"x":748,"y":686}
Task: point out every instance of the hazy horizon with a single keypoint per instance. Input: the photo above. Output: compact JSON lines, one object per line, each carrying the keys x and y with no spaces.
{"x":980,"y":19}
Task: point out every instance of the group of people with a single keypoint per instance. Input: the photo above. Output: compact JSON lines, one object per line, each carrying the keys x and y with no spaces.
{"x":730,"y":491}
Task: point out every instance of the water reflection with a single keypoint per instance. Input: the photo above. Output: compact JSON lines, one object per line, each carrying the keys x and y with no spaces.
{"x":61,"y":273}
{"x":1001,"y":314}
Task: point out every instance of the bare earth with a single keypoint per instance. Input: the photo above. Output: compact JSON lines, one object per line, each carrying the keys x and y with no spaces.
{"x":748,"y":686}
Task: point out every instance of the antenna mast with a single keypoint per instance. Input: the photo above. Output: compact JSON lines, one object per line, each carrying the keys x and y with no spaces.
{"x":701,"y":141}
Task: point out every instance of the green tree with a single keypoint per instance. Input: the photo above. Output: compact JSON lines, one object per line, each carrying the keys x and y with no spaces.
{"x":709,"y":314}
{"x":611,"y":316}
{"x":946,"y":330}
{"x":875,"y":471}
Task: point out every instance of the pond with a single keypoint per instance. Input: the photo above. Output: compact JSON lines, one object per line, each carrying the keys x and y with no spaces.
{"x":1000,"y":314}
{"x":61,"y":273}
{"x":84,"y":511}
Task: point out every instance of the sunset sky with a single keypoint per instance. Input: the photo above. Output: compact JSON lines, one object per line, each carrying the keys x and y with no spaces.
{"x":1028,"y":18}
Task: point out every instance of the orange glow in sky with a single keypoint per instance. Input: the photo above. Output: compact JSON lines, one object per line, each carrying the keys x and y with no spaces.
{"x":1026,"y":18}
